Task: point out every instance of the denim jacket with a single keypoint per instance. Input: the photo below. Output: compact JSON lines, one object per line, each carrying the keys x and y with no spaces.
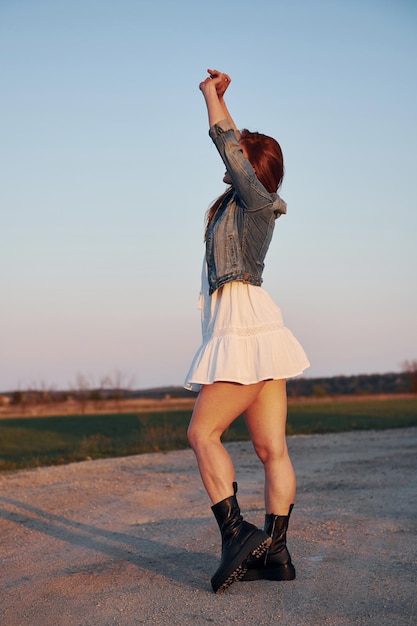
{"x":240,"y":233}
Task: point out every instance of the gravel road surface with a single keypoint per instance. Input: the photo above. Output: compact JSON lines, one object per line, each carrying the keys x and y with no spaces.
{"x":132,"y":540}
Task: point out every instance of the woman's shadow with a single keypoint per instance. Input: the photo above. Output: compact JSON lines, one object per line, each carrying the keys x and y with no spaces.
{"x":145,"y":547}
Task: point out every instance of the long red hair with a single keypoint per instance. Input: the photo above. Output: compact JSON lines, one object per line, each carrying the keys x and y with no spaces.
{"x":265,"y":156}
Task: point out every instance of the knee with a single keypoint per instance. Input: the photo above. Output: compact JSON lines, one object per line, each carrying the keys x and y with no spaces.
{"x":192,"y":436}
{"x":198,"y":438}
{"x":270,"y":452}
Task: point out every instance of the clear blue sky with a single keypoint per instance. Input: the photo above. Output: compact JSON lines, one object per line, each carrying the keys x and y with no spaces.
{"x":107,"y":170}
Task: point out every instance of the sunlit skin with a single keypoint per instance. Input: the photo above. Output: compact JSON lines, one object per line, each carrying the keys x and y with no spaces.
{"x":219,"y":404}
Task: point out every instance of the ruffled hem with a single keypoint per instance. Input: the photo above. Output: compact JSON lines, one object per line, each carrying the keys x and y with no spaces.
{"x":244,"y":338}
{"x":272,"y":356}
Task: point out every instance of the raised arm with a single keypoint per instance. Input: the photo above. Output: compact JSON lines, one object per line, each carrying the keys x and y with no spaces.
{"x":222,"y":82}
{"x":213,"y":89}
{"x":242,"y":176}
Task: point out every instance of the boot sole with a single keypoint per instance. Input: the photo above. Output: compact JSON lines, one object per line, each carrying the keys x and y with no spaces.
{"x":269,"y":573}
{"x":238,"y":568}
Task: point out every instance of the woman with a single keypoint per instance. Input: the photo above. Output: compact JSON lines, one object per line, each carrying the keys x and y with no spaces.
{"x":247,"y":354}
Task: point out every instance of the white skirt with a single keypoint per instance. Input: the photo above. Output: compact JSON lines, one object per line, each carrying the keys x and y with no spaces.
{"x":244,"y":338}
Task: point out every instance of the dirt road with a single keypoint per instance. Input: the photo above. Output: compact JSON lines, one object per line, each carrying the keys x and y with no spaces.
{"x":132,"y":541}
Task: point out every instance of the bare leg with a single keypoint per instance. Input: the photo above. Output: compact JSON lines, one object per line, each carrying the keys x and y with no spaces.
{"x":216,"y":407}
{"x":266,"y":421}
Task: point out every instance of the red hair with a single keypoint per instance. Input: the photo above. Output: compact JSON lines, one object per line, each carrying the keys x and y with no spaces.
{"x":265,"y":155}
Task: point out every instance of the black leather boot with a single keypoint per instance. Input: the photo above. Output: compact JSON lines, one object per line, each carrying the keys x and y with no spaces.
{"x":276,"y":563}
{"x":240,"y":540}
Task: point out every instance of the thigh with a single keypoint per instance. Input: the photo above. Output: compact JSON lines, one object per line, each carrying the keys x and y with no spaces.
{"x":266,"y":419}
{"x":219,"y":404}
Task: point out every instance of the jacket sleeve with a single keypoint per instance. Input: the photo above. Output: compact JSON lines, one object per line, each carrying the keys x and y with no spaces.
{"x":247,"y":186}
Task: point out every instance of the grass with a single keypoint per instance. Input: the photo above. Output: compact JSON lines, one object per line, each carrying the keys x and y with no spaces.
{"x":37,"y":441}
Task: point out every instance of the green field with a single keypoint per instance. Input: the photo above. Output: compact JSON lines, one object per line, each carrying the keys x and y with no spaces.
{"x":35,"y":441}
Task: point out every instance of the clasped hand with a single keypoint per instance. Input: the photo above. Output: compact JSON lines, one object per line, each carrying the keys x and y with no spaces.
{"x":217,"y":79}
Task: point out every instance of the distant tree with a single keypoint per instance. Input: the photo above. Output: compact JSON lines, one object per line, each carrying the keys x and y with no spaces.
{"x":82,"y":390}
{"x":17,"y":397}
{"x":410,"y":368}
{"x":120,"y":385}
{"x":20,"y":398}
{"x":319,"y":391}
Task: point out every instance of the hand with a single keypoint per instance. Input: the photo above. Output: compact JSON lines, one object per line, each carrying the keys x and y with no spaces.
{"x":221,"y":81}
{"x":213,"y":89}
{"x":206,"y":86}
